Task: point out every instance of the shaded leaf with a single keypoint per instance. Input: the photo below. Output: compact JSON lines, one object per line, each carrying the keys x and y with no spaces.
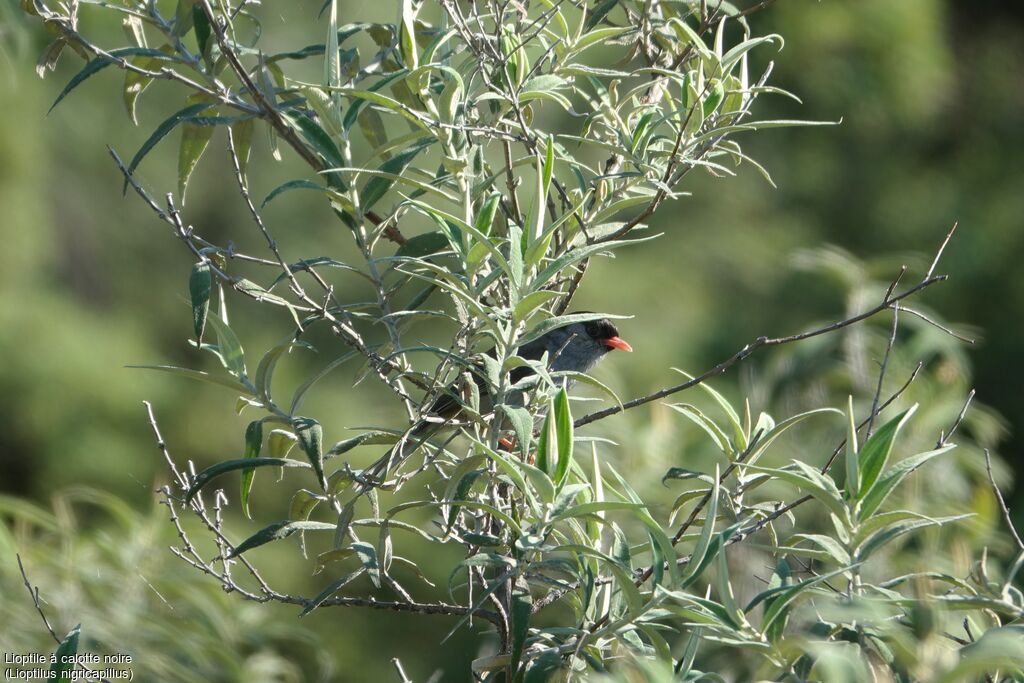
{"x":204,"y":477}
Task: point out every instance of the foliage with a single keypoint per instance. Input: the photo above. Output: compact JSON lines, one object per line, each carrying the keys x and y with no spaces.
{"x":519,"y":142}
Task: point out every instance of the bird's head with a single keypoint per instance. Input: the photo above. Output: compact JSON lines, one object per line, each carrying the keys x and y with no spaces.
{"x":577,"y":347}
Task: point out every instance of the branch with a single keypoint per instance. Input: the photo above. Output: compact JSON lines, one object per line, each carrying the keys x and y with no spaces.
{"x":754,"y":346}
{"x":999,"y":496}
{"x":191,"y":556}
{"x":34,"y":593}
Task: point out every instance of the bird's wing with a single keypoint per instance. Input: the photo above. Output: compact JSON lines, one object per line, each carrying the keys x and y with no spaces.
{"x":448,"y":403}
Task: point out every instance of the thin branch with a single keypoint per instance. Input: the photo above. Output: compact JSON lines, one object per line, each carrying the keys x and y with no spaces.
{"x":37,"y":601}
{"x":882,"y":369}
{"x":947,"y":435}
{"x":754,"y":346}
{"x":1002,"y":502}
{"x":938,"y":254}
{"x":874,"y":412}
{"x":401,"y":672}
{"x":937,"y":325}
{"x":266,"y":594}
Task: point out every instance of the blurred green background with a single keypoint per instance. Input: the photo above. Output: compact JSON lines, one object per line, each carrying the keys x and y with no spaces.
{"x":931,"y":99}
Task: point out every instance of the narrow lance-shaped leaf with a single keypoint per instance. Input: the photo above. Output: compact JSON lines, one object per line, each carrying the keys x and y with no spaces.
{"x":253,"y":446}
{"x":229,"y":347}
{"x":135,"y":83}
{"x":407,"y":35}
{"x":333,"y":588}
{"x":310,"y":435}
{"x":522,"y":608}
{"x":200,"y":281}
{"x":875,"y":452}
{"x":202,"y":30}
{"x":704,"y":540}
{"x":63,"y":666}
{"x":242,"y":134}
{"x":161,"y":132}
{"x":332,"y":62}
{"x":852,"y":467}
{"x":563,"y":434}
{"x":276,"y":532}
{"x":229,"y":382}
{"x":100,"y":63}
{"x":207,"y":475}
{"x":892,"y":477}
{"x":378,"y":185}
{"x":547,"y":443}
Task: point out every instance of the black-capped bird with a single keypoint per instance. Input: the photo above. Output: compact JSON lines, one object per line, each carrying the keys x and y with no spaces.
{"x":575,"y":347}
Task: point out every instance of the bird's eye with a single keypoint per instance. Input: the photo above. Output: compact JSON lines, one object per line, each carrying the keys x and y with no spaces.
{"x":592,"y":330}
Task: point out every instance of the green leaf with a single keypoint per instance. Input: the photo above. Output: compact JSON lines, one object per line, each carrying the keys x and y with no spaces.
{"x":563,"y":434}
{"x":875,"y":452}
{"x":317,"y":138}
{"x":202,"y":29}
{"x":485,"y":218}
{"x":265,"y":370}
{"x":378,"y":185}
{"x":64,"y":665}
{"x":704,"y":422}
{"x":522,"y":425}
{"x":333,"y":588}
{"x":204,"y":477}
{"x":830,"y":545}
{"x":310,"y":435}
{"x":593,"y":508}
{"x":547,"y":443}
{"x":253,"y":446}
{"x":292,"y":185}
{"x":774,"y":431}
{"x":229,"y":348}
{"x":183,"y":17}
{"x":367,"y":554}
{"x":522,"y":608}
{"x":781,"y":603}
{"x":161,"y":132}
{"x":280,"y":443}
{"x":194,"y":140}
{"x":573,"y":256}
{"x":890,"y":533}
{"x":200,"y":281}
{"x":332,"y":62}
{"x":242,"y":133}
{"x":276,"y":532}
{"x":99,"y":63}
{"x":852,"y":466}
{"x":698,"y":558}
{"x":822,"y":488}
{"x":135,"y":83}
{"x":739,"y":435}
{"x":461,"y":483}
{"x":424,"y":245}
{"x":892,"y":477}
{"x":229,"y":382}
{"x":300,"y":393}
{"x":407,"y":35}
{"x":600,"y":12}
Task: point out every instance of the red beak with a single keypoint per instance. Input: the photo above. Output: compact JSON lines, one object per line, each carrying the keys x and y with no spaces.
{"x":618,"y":343}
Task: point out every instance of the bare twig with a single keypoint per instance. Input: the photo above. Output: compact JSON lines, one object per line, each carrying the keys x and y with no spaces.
{"x":948,"y":434}
{"x":754,"y":346}
{"x":401,"y":672}
{"x":1002,"y":502}
{"x":882,"y":368}
{"x":37,"y":601}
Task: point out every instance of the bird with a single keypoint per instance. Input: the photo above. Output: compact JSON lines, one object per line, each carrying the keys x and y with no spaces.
{"x":572,"y":348}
